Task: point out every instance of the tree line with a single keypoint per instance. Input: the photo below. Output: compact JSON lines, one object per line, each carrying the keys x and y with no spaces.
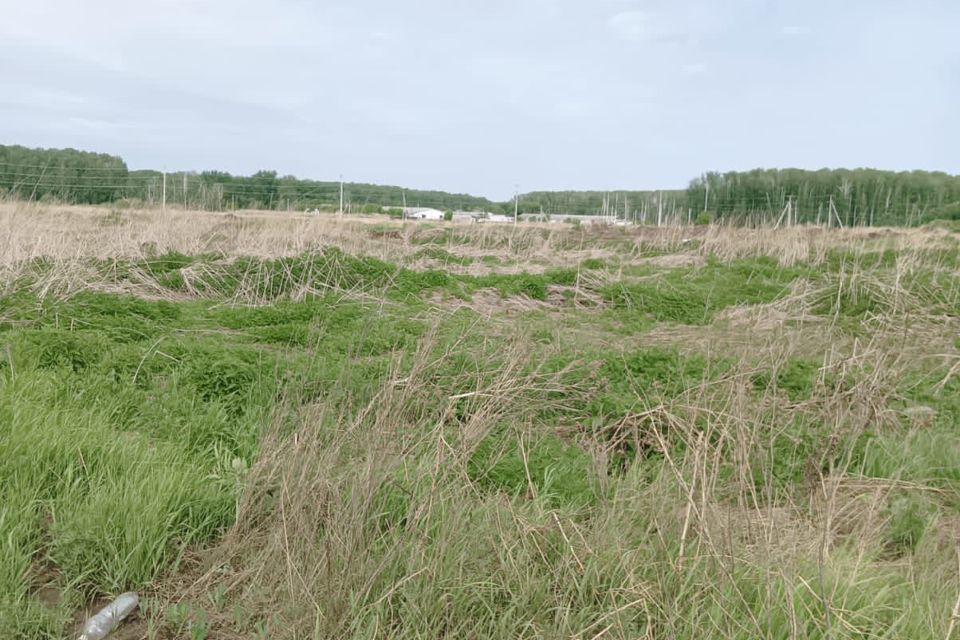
{"x":218,"y":190}
{"x":81,"y":177}
{"x":828,"y":196}
{"x":635,"y":206}
{"x":66,"y":175}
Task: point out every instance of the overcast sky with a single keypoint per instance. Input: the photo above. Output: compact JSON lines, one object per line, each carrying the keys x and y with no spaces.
{"x":479,"y":96}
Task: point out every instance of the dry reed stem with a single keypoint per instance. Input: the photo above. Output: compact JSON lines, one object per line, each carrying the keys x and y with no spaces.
{"x":67,"y":233}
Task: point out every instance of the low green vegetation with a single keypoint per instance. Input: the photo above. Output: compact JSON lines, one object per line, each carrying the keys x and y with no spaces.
{"x":693,"y":295}
{"x":348,"y":447}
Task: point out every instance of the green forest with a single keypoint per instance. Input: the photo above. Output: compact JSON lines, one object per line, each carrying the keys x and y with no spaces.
{"x":837,"y":196}
{"x":79,"y":177}
{"x":840,"y":197}
{"x":631,"y":205}
{"x":66,"y":175}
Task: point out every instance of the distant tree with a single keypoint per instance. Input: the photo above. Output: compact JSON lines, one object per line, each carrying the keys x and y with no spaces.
{"x":264,"y":188}
{"x":622,"y":204}
{"x":856,"y":196}
{"x":66,"y":175}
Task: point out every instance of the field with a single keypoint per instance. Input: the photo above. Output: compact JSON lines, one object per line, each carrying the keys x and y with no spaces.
{"x":282,"y":426}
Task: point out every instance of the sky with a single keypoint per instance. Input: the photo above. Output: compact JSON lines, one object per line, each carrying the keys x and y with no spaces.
{"x":486,"y":97}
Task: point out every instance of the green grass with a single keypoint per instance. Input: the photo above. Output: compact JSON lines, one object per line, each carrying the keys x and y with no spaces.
{"x":408,"y":471}
{"x":270,"y":280}
{"x":112,"y":506}
{"x":694,"y":295}
{"x":557,"y":472}
{"x":797,"y":378}
{"x":128,"y":419}
{"x":442,"y":255}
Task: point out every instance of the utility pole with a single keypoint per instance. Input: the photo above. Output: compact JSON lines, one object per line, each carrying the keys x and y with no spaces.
{"x":184,"y":190}
{"x":163,"y":206}
{"x":660,"y":208}
{"x":833,"y":209}
{"x":516,"y":203}
{"x":706,"y":196}
{"x":340,"y":212}
{"x":783,"y":214}
{"x":403,"y":216}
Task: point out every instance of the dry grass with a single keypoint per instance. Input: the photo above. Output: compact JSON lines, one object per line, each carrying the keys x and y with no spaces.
{"x":30,"y":231}
{"x":741,"y":504}
{"x":810,"y":245}
{"x":638,"y":566}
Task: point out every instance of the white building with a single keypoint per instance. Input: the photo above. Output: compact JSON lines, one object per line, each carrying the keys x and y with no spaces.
{"x":422,"y":213}
{"x":466,"y":216}
{"x":575,"y":219}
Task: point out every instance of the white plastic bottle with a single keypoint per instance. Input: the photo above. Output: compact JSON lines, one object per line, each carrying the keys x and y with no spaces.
{"x":108,"y":618}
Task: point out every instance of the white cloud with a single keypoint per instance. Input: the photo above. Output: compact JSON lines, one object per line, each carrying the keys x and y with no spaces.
{"x":27,"y":95}
{"x":794,"y":30}
{"x":98,"y":124}
{"x":642,"y":26}
{"x":391,"y":91}
{"x":681,"y":23}
{"x":630,"y":25}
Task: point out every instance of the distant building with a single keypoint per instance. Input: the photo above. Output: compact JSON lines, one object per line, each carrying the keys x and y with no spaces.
{"x":422,"y":213}
{"x":573,"y":219}
{"x":467,"y":216}
{"x":534,"y":217}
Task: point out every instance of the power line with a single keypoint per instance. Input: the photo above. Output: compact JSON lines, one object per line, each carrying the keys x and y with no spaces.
{"x":733,"y":203}
{"x":805,"y":202}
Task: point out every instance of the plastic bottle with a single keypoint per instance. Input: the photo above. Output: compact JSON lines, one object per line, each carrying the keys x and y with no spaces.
{"x":108,"y":618}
